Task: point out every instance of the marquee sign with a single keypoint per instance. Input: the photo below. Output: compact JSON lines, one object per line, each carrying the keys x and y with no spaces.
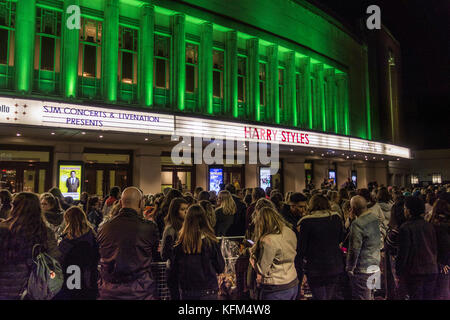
{"x":72,"y":116}
{"x":186,"y":126}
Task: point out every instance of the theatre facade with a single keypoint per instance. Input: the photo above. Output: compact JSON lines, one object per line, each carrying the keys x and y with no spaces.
{"x":110,"y":99}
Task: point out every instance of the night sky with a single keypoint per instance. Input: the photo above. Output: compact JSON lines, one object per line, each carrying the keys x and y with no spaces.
{"x":422,"y":28}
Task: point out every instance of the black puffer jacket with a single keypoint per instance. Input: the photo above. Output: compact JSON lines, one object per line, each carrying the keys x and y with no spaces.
{"x":15,"y":268}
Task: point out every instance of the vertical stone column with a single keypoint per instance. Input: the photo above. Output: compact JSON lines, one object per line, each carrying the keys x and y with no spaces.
{"x":290,"y":104}
{"x":178,"y":60}
{"x":24,"y":45}
{"x":147,"y":169}
{"x":343,"y":171}
{"x":319,"y":112}
{"x":201,"y":176}
{"x":330,"y":114}
{"x":110,"y":49}
{"x":273,"y":103}
{"x":253,"y":109}
{"x":305,"y":114}
{"x":206,"y":66}
{"x":294,"y":174}
{"x":69,"y":54}
{"x":251,"y":176}
{"x":320,"y":171}
{"x":231,"y":90}
{"x":146,"y":52}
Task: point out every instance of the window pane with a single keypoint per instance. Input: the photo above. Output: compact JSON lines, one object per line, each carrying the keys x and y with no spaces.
{"x":217,"y":79}
{"x":191,"y":53}
{"x":160,"y":73}
{"x":218,"y":59}
{"x":90,"y":55}
{"x":127,"y":67}
{"x":161,"y":46}
{"x":262,"y":71}
{"x":47,"y":53}
{"x":262,"y":96}
{"x":190,"y":78}
{"x":240,"y":89}
{"x":280,"y":96}
{"x":280,"y":76}
{"x":241,"y":66}
{"x":4,"y":46}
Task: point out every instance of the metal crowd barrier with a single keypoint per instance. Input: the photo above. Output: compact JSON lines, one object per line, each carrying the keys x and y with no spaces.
{"x":159,"y":269}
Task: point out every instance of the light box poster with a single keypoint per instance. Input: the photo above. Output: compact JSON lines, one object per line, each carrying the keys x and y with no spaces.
{"x":332,"y":176}
{"x":70,"y":180}
{"x":354,"y":178}
{"x":215,"y":179}
{"x":265,"y":178}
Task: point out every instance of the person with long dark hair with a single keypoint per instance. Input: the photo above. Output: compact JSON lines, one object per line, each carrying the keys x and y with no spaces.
{"x":79,"y":247}
{"x":394,"y":289}
{"x":173,"y":223}
{"x":320,"y":234}
{"x":94,"y":215}
{"x":197,"y":258}
{"x":162,"y":211}
{"x":5,"y":203}
{"x":53,"y":213}
{"x":24,"y":228}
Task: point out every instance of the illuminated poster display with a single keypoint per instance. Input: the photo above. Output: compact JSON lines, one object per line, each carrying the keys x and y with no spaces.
{"x":70,"y":179}
{"x":265,"y":179}
{"x":354,"y":177}
{"x":332,"y":176}
{"x":215,"y":179}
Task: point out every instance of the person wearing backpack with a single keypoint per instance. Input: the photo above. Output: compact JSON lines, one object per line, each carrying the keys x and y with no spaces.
{"x":24,"y":229}
{"x":79,"y":247}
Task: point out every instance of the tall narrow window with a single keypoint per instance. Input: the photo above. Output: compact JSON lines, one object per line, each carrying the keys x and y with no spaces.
{"x":262,"y":84}
{"x":90,"y":49}
{"x":161,"y":69}
{"x":242,"y":73}
{"x":7,"y":24}
{"x":191,"y":67}
{"x":48,"y":40}
{"x":298,"y":92}
{"x":128,"y":40}
{"x":218,"y":65}
{"x":281,"y":87}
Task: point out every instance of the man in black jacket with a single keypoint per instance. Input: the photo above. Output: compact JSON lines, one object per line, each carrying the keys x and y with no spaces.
{"x":127,"y":246}
{"x":417,"y":254}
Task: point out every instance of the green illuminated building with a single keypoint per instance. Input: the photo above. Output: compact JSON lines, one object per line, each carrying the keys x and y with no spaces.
{"x":279,"y":62}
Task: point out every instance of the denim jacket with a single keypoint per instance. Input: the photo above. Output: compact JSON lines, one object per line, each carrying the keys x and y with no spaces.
{"x":364,"y":243}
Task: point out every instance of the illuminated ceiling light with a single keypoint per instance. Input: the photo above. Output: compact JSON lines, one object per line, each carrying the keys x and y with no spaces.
{"x":292,"y":149}
{"x":398,"y":159}
{"x":374,"y":157}
{"x":348,"y":157}
{"x":83,"y":132}
{"x":182,"y":141}
{"x":53,"y":133}
{"x":100,"y":137}
{"x":343,"y":154}
{"x":322,"y":154}
{"x":312,"y":151}
{"x":146,"y":139}
{"x":382,"y":158}
{"x":18,"y":134}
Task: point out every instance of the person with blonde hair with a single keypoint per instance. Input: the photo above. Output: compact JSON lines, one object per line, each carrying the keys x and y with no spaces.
{"x":79,"y":247}
{"x":197,"y":258}
{"x":224,"y":213}
{"x":272,"y":256}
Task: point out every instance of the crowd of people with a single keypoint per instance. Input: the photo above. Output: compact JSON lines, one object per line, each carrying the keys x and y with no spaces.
{"x":371,"y":243}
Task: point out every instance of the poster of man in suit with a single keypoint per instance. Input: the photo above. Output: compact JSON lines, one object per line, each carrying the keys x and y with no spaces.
{"x":72,"y":183}
{"x":70,"y":180}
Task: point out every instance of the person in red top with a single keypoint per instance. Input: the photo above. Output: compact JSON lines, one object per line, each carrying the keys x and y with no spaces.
{"x":114,"y":195}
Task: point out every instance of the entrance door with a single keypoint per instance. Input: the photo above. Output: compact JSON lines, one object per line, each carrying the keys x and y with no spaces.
{"x":178,"y":177}
{"x":26,"y":177}
{"x":235,"y":176}
{"x":100,"y":178}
